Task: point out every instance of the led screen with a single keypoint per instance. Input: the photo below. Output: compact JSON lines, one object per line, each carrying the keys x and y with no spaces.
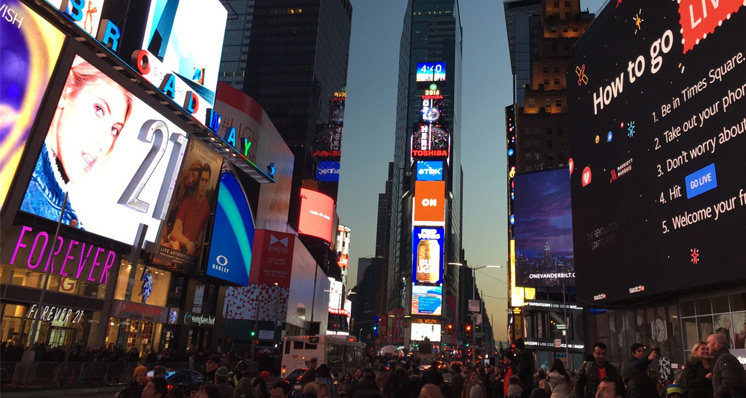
{"x":183,"y":232}
{"x":431,"y":72}
{"x":420,"y":331}
{"x":187,"y":35}
{"x":430,"y":170}
{"x":430,"y":137}
{"x":429,"y":202}
{"x":658,"y":177}
{"x":427,"y":254}
{"x":29,"y":47}
{"x":327,"y":170}
{"x":328,"y":141}
{"x":316,"y":214}
{"x":115,"y":156}
{"x":232,"y":241}
{"x":427,"y":300}
{"x":543,"y":229}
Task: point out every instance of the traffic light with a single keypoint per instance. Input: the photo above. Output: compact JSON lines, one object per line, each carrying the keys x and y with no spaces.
{"x":449,"y":327}
{"x":375,"y":327}
{"x":467,"y":335}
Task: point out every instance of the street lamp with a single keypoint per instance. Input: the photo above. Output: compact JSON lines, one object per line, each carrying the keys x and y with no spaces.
{"x":474,"y":293}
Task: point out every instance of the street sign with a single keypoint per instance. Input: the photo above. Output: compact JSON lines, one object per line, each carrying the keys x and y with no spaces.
{"x":474,"y":306}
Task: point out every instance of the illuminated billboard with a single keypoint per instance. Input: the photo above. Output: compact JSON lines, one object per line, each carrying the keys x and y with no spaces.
{"x":316,"y":214}
{"x":543,"y":229}
{"x":182,"y":234}
{"x":429,"y":170}
{"x":117,"y":158}
{"x":187,"y":36}
{"x":430,"y":141}
{"x":327,"y":170}
{"x":422,"y":331}
{"x":658,"y":197}
{"x":29,"y":46}
{"x":232,"y":242}
{"x":429,"y":202}
{"x":427,"y":254}
{"x":431,"y":71}
{"x":427,"y":300}
{"x":328,"y":141}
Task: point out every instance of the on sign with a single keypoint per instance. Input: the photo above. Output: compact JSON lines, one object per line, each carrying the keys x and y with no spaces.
{"x":429,"y":202}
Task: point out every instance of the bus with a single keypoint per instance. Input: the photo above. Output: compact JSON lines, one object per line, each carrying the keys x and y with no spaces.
{"x":340,"y":353}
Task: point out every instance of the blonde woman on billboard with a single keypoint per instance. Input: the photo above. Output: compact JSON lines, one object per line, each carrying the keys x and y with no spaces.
{"x":91,"y":113}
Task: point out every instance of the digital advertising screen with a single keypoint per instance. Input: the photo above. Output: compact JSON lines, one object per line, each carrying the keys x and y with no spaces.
{"x":431,"y":71}
{"x":232,"y":242}
{"x":430,"y":170}
{"x":328,"y":141}
{"x":29,"y":47}
{"x":183,"y":232}
{"x":427,"y":300}
{"x":327,"y":170}
{"x":114,"y":155}
{"x":316,"y":214}
{"x":272,"y":262}
{"x":427,"y":254}
{"x":187,"y":36}
{"x":658,"y":197}
{"x":543,"y":229}
{"x":422,"y":331}
{"x":429,"y":202}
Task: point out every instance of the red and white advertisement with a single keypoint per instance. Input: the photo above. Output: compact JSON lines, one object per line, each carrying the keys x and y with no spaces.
{"x":272,"y":261}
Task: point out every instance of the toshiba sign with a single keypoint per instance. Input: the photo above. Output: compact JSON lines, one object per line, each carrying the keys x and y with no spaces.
{"x":429,"y":202}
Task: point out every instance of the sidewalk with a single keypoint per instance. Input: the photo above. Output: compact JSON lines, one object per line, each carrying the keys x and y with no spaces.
{"x":72,"y":392}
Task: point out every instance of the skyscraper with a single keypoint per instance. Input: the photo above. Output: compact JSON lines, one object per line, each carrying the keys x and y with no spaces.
{"x":426,"y":187}
{"x":295,"y":62}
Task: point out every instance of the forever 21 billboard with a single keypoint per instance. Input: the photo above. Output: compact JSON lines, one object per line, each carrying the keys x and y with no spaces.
{"x":657,"y":101}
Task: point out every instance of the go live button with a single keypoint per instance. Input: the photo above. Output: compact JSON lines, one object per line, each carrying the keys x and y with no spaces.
{"x":701,"y":181}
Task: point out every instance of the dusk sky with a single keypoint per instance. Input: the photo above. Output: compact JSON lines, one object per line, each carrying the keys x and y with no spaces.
{"x":368,"y":144}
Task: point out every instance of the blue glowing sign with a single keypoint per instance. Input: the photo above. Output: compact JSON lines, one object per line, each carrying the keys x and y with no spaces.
{"x":327,"y":171}
{"x":701,"y":181}
{"x":232,"y":234}
{"x":431,"y":71}
{"x":430,"y":170}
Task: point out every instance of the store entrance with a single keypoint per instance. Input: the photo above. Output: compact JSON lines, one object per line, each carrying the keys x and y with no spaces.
{"x":61,"y":337}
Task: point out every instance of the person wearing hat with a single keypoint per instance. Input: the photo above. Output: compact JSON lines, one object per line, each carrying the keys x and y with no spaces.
{"x":260,"y":385}
{"x":221,"y":381}
{"x":675,"y":391}
{"x":244,"y":388}
{"x":137,"y":385}
{"x":211,"y":366}
{"x":157,"y":387}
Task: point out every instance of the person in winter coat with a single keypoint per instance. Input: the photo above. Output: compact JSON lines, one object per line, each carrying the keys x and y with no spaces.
{"x":135,"y":387}
{"x":694,"y":378}
{"x":635,"y":373}
{"x":728,"y":379}
{"x":514,"y":387}
{"x":591,"y":373}
{"x":559,"y":380}
{"x":324,"y":377}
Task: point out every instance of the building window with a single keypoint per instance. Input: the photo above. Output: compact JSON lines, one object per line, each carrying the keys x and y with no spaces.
{"x":556,"y":69}
{"x":558,"y":102}
{"x":559,"y":130}
{"x":547,"y":102}
{"x":546,"y":82}
{"x":531,"y":103}
{"x":549,"y":143}
{"x":549,"y":130}
{"x":556,"y":81}
{"x":546,"y":69}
